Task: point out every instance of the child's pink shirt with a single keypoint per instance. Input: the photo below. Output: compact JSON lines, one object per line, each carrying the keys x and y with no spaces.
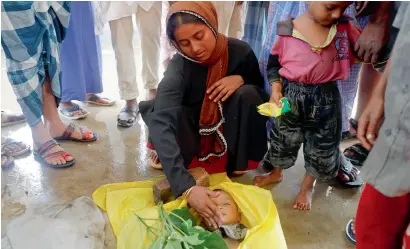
{"x":301,"y":63}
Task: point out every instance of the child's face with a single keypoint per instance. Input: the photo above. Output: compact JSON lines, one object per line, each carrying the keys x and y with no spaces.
{"x":326,"y":13}
{"x":228,"y":208}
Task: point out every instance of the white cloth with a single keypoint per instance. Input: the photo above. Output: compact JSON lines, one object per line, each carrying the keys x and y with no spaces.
{"x":106,"y":11}
{"x":231,"y":18}
{"x":78,"y":225}
{"x":122,"y":30}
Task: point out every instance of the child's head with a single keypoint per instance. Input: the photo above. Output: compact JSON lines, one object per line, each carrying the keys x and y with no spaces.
{"x":226,"y":204}
{"x":327,"y":13}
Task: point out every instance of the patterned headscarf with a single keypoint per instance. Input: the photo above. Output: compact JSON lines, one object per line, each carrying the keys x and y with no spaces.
{"x":212,"y":141}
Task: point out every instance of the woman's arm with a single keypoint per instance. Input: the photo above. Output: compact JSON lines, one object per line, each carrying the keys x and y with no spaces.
{"x":163,"y":124}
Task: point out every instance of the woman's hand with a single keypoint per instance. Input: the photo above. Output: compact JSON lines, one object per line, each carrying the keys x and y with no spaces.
{"x":199,"y":199}
{"x":276,"y":95}
{"x":224,"y":88}
{"x":371,"y":121}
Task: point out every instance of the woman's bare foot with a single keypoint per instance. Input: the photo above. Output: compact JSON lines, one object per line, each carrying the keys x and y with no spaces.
{"x":304,"y":198}
{"x":274,"y":177}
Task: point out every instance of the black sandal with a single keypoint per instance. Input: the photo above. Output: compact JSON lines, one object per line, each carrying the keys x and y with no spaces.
{"x":127,"y":116}
{"x":356,"y":154}
{"x":347,"y":135}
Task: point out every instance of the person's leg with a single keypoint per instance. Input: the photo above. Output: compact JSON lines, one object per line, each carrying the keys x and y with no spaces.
{"x":149,"y":26}
{"x":224,"y":10}
{"x":284,"y":140}
{"x":244,"y":128}
{"x":237,"y":21}
{"x":381,"y":221}
{"x":368,"y":79}
{"x":121,"y":37}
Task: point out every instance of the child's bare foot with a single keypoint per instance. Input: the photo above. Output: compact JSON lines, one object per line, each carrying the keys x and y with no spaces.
{"x":274,"y":177}
{"x":304,"y":199}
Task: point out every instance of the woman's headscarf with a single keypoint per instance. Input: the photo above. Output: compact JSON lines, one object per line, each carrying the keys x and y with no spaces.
{"x":212,"y":142}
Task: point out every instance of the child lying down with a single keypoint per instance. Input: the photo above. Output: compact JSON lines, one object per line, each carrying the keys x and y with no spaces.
{"x":231,"y":214}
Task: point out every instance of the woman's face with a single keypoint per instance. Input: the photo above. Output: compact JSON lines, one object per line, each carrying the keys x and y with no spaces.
{"x":195,"y":40}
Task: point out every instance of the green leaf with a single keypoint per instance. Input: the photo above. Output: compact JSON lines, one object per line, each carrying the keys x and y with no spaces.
{"x":184,"y":214}
{"x":158,"y":244}
{"x":193,"y":239}
{"x":173,"y":244}
{"x":215,"y":241}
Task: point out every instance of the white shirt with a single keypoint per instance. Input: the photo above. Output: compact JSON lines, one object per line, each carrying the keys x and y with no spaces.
{"x":112,"y":10}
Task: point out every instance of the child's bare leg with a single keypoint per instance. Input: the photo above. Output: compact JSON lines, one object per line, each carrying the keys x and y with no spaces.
{"x":275,"y":176}
{"x":304,"y":198}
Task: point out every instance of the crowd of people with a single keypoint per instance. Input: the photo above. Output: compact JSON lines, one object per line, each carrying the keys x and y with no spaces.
{"x":222,"y":60}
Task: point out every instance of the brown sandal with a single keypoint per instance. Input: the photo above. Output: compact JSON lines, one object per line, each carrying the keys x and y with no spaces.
{"x":7,"y":148}
{"x":9,"y":118}
{"x":41,"y":155}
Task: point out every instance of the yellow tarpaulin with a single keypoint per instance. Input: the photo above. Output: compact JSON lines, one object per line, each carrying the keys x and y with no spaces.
{"x":122,"y":201}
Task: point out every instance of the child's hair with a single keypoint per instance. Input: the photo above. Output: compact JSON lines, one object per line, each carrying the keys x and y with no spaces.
{"x":178,"y":19}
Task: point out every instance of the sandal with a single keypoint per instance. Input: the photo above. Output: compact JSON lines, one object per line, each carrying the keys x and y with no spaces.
{"x":96,"y":100}
{"x":85,"y":135}
{"x":153,"y":160}
{"x":356,"y":154}
{"x":9,"y":118}
{"x":69,"y":112}
{"x":14,"y":148}
{"x":347,"y":135}
{"x":6,"y":161}
{"x":351,"y":236}
{"x":127,"y":116}
{"x":41,"y":155}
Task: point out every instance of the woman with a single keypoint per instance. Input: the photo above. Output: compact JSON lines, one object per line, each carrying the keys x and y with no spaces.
{"x":206,"y":103}
{"x":31,"y":35}
{"x":81,"y":63}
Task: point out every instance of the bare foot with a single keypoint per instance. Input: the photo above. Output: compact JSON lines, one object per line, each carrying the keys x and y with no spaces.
{"x":274,"y":177}
{"x":304,"y":199}
{"x":57,"y":160}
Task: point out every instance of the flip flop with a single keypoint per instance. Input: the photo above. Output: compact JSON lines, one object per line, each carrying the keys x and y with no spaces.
{"x":6,"y":147}
{"x":94,"y":100}
{"x":349,"y":232}
{"x":347,"y":135}
{"x":127,"y":116}
{"x":9,"y":118}
{"x":6,"y":161}
{"x":41,"y":155}
{"x":68,"y":112}
{"x":356,"y":154}
{"x":69,"y":131}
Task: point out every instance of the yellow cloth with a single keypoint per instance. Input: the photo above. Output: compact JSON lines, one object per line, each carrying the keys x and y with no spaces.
{"x":122,"y":200}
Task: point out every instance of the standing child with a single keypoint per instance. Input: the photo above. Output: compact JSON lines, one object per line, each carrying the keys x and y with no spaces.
{"x":311,"y":53}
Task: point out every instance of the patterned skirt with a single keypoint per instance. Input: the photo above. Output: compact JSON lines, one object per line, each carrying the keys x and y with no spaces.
{"x":31,"y":35}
